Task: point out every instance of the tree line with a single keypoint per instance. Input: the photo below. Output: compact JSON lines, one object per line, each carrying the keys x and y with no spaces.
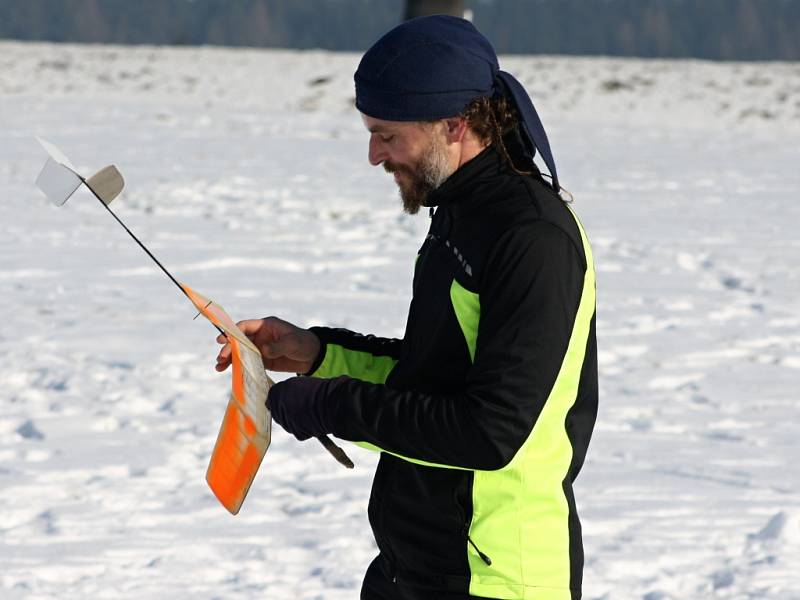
{"x":711,"y":29}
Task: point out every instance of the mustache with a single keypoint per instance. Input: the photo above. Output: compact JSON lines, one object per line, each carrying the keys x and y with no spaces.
{"x":392,"y":168}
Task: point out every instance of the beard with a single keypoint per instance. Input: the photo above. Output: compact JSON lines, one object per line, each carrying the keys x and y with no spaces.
{"x":418,"y":181}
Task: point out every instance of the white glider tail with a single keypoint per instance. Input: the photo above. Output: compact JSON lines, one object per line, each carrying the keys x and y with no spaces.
{"x":59,"y":179}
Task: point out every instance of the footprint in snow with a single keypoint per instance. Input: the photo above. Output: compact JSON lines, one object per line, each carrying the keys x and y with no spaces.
{"x":46,"y":523}
{"x":735,"y":283}
{"x":29,"y":431}
{"x":772,"y":530}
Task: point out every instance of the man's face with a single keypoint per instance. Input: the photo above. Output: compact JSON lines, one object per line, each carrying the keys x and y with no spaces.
{"x":417,"y":154}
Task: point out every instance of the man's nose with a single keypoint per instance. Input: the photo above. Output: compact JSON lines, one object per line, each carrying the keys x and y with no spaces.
{"x":377,"y":151}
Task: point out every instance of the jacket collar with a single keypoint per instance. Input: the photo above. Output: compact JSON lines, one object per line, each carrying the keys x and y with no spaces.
{"x":486,"y":165}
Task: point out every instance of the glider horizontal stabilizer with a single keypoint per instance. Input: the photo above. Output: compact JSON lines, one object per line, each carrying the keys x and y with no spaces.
{"x":59,"y":179}
{"x":106,"y":184}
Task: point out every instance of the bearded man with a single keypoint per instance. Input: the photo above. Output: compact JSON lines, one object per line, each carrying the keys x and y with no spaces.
{"x":483,"y":411}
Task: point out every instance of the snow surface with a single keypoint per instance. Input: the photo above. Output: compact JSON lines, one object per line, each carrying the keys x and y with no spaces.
{"x":247,"y":176}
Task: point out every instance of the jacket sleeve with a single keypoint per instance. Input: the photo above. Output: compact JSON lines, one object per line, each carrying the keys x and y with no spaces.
{"x":529,"y":297}
{"x":365,"y":357}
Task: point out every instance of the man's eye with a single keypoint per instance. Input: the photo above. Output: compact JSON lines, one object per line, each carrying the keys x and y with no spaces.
{"x":387,"y":138}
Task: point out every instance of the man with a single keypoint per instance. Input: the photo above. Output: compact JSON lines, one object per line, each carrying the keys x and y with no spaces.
{"x":484,"y":410}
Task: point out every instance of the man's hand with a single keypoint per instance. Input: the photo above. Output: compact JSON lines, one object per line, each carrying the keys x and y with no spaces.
{"x":305,"y":406}
{"x":284,"y":347}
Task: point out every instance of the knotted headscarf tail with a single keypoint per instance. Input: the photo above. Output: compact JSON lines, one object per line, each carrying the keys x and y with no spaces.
{"x":431,"y":68}
{"x":533,"y":133}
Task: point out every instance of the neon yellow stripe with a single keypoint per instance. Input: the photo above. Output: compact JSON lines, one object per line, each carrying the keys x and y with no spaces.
{"x":416,"y":461}
{"x":467,"y":306}
{"x":354,"y":363}
{"x":366,"y":367}
{"x":520,"y":512}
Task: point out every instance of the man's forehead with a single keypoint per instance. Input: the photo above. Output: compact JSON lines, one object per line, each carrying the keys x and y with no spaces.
{"x":374,"y":125}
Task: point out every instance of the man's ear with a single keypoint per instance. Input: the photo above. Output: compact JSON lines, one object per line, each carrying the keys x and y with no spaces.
{"x":454,"y":129}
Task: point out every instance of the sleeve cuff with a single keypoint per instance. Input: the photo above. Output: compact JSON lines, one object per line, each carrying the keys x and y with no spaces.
{"x":323,"y":349}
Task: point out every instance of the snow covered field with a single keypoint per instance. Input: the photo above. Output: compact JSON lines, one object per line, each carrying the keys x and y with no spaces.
{"x":247,"y":176}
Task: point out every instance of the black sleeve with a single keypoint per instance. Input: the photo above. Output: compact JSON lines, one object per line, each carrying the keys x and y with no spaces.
{"x":344,"y":352}
{"x":529,"y":297}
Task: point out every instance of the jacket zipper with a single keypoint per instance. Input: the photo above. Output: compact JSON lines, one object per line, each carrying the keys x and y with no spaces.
{"x":483,"y":556}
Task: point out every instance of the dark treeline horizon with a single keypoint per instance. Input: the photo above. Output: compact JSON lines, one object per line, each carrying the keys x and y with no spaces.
{"x":704,"y":29}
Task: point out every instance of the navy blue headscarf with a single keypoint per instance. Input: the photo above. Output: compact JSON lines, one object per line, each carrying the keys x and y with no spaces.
{"x":431,"y":68}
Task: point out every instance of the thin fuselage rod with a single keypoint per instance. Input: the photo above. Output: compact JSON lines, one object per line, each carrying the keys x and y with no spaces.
{"x":337,"y":452}
{"x":143,"y":247}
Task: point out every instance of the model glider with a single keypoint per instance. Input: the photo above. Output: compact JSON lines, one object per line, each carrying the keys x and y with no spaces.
{"x":244,"y":435}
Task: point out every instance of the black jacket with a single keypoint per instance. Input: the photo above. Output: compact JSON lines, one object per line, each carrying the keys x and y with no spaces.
{"x":484,"y":410}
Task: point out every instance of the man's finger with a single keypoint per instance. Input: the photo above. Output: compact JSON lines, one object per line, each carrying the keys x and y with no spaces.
{"x":249,"y":326}
{"x":223,"y":358}
{"x":225,"y":353}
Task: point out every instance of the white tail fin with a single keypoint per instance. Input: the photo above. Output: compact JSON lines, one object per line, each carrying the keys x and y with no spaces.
{"x":56,"y":154}
{"x":59,"y":178}
{"x":57,"y":182}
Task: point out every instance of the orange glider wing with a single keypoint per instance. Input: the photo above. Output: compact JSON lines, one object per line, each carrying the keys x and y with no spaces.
{"x":245,"y":432}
